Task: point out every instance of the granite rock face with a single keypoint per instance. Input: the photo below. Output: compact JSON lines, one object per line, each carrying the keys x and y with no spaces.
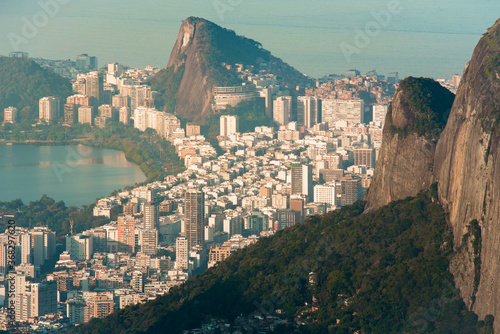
{"x":196,"y":66}
{"x":467,"y":167}
{"x":406,"y":158}
{"x":464,"y":160}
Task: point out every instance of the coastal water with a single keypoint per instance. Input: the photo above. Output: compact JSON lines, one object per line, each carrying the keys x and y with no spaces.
{"x":422,"y":38}
{"x":76,"y":175}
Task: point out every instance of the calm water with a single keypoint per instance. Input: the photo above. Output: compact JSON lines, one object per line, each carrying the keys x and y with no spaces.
{"x":75,"y":174}
{"x":425,"y":38}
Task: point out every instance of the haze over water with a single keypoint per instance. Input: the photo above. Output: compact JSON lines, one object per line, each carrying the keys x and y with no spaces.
{"x":427,"y":38}
{"x":76,"y":175}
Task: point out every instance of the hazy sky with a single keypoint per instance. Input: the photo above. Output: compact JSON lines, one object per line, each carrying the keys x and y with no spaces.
{"x":428,"y":38}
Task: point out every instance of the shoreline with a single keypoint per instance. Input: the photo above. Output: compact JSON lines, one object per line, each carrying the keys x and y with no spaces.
{"x":79,"y":142}
{"x":70,"y":142}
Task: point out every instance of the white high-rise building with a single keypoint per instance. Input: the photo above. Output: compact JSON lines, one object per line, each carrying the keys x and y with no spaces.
{"x":325,"y":194}
{"x":334,"y":110}
{"x":80,"y":247}
{"x":124,"y":115}
{"x":49,"y":109}
{"x":229,"y":125}
{"x":149,"y":118}
{"x":10,"y":115}
{"x":26,"y":248}
{"x":282,"y":108}
{"x":86,"y":115}
{"x":115,"y":70}
{"x":379,"y":112}
{"x":22,"y":298}
{"x":151,"y":216}
{"x":308,"y":111}
{"x":182,"y":253}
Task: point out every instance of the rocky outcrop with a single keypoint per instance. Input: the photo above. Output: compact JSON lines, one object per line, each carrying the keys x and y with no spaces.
{"x":467,"y":167}
{"x":196,"y":66}
{"x":405,"y":162}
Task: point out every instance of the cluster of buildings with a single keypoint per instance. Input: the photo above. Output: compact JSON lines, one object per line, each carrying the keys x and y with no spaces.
{"x":22,"y":254}
{"x":321,"y":157}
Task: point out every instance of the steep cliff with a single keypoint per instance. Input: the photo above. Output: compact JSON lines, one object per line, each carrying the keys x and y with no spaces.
{"x":467,"y":166}
{"x":195,"y":67}
{"x":417,"y":115}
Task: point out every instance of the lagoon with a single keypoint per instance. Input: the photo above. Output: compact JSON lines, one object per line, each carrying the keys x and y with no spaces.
{"x":75,"y":174}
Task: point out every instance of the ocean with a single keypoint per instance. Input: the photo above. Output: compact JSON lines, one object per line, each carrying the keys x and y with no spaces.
{"x":424,"y":38}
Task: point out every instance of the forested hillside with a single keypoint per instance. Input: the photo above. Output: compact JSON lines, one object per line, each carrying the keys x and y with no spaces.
{"x":382,"y":272}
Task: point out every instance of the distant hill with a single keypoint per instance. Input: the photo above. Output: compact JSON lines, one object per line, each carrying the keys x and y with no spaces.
{"x":382,"y":272}
{"x":23,"y":82}
{"x":195,"y":67}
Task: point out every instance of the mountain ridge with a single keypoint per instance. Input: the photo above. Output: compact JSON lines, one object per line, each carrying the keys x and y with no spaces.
{"x":195,"y":67}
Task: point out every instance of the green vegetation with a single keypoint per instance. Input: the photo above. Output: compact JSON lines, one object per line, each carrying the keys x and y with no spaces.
{"x":155,"y":155}
{"x":430,"y":105}
{"x":474,"y":232}
{"x":168,"y":82}
{"x":49,"y":134}
{"x":55,"y":215}
{"x":381,"y":272}
{"x":24,"y":82}
{"x":222,"y":45}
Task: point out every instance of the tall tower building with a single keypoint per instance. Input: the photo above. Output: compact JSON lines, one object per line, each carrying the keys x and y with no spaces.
{"x":124,"y":115}
{"x":70,"y":112}
{"x":126,"y":234}
{"x":182,"y":253}
{"x":194,"y":207}
{"x":49,"y":109}
{"x":302,"y":180}
{"x":22,"y":298}
{"x":44,"y":245}
{"x":26,"y":248}
{"x":350,"y":190}
{"x":95,"y":87}
{"x":229,"y":125}
{"x":149,"y":241}
{"x":308,"y":111}
{"x":151,"y":216}
{"x":80,"y":247}
{"x":282,"y":109}
{"x":43,"y":298}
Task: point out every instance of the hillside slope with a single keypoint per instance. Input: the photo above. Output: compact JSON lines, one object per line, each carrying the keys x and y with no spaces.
{"x":382,"y":272}
{"x":195,"y":67}
{"x":23,"y":82}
